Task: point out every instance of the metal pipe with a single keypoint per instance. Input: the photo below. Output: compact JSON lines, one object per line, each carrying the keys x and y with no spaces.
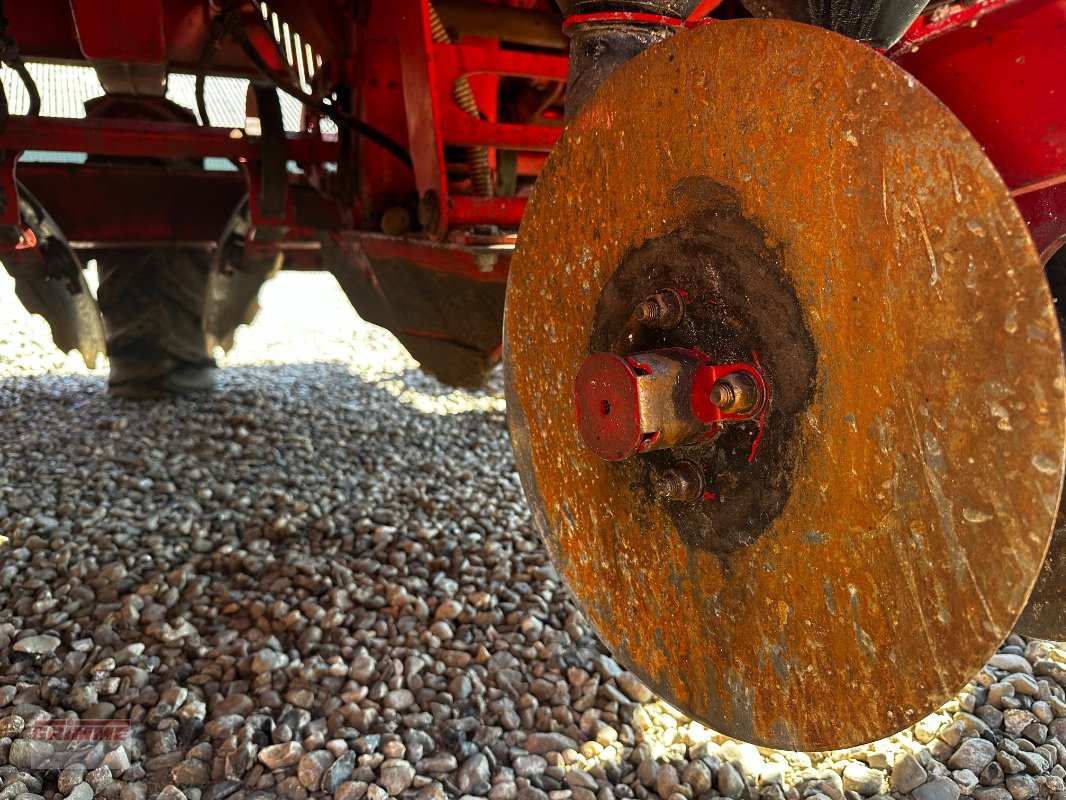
{"x":599,"y":47}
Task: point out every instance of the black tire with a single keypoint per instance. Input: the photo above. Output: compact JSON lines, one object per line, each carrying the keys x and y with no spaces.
{"x":152,"y":301}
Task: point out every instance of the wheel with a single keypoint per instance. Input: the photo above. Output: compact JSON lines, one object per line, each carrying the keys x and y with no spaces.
{"x":152,"y":301}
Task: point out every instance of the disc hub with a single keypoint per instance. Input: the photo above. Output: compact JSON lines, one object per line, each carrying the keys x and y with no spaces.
{"x":658,"y":399}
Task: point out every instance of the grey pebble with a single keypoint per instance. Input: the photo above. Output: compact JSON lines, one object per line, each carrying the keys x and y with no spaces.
{"x":973,"y":754}
{"x":908,"y":775}
{"x":396,"y":775}
{"x":730,"y":783}
{"x":937,"y":789}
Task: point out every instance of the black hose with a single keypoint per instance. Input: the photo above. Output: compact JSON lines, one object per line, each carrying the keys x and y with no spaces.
{"x":368,"y":132}
{"x":9,"y":54}
{"x":201,"y":103}
{"x":3,"y":103}
{"x":31,"y":86}
{"x":219,"y":28}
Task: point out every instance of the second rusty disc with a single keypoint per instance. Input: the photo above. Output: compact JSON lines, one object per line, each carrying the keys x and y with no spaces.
{"x":861,"y":549}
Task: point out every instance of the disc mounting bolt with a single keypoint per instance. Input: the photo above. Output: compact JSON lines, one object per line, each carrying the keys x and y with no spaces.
{"x":682,"y":481}
{"x":736,"y":393}
{"x":663,"y":309}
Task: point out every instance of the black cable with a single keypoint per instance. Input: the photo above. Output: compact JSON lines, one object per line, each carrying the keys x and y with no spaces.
{"x":219,"y":28}
{"x":31,"y":86}
{"x":363,"y":129}
{"x":201,"y":103}
{"x":3,"y":103}
{"x":9,"y":54}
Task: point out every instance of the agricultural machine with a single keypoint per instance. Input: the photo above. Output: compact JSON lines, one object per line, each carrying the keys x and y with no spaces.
{"x":783,"y":367}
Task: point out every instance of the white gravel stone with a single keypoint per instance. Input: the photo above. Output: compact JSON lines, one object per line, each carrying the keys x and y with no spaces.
{"x":37,"y":645}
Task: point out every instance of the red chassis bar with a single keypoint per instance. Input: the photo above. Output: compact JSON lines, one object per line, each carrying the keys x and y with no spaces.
{"x":137,"y":138}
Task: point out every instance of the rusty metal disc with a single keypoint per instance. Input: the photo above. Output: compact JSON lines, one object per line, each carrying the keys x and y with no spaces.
{"x":902,"y":488}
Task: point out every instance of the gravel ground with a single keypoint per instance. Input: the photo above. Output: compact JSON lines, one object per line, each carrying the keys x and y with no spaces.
{"x":322,"y":581}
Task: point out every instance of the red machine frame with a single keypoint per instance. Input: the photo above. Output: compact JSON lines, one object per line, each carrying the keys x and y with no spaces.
{"x":992,"y":62}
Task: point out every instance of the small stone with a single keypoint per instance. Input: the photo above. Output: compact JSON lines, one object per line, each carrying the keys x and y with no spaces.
{"x":352,"y":790}
{"x":301,"y":698}
{"x":1015,"y":720}
{"x":1021,"y":787}
{"x":529,"y":765}
{"x":29,"y":754}
{"x":71,"y":776}
{"x":992,"y":775}
{"x":269,"y":661}
{"x":541,"y":743}
{"x":191,"y":772}
{"x":100,"y":779}
{"x":632,"y":687}
{"x":339,"y":771}
{"x":12,"y":726}
{"x":908,"y":775}
{"x":82,"y":791}
{"x":362,"y":668}
{"x":39,"y":645}
{"x":772,"y":773}
{"x":1046,"y":668}
{"x":973,"y":754}
{"x":277,"y":756}
{"x":1010,"y":663}
{"x":1034,"y":763}
{"x":746,"y":757}
{"x":697,"y":775}
{"x":1022,"y":684}
{"x":397,"y":774}
{"x":312,"y":769}
{"x":1000,"y":692}
{"x":118,"y":761}
{"x":666,"y":782}
{"x":473,"y":775}
{"x":937,"y":789}
{"x":860,"y":778}
{"x":446,"y":762}
{"x":879,"y":760}
{"x":1035,"y":732}
{"x":730,"y":783}
{"x":579,"y":779}
{"x":991,"y":716}
{"x":239,"y":704}
{"x":399,"y":699}
{"x":966,"y":780}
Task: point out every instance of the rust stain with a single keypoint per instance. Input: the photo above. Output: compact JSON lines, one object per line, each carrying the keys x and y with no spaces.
{"x":931,"y":519}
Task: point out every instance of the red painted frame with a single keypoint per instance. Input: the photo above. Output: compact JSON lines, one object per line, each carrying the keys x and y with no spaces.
{"x":1000,"y":65}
